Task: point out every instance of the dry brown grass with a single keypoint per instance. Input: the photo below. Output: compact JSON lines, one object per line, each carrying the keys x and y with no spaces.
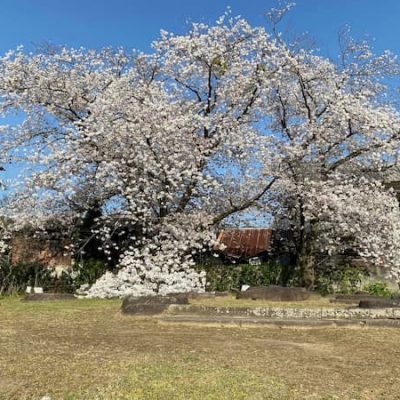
{"x":87,"y":350}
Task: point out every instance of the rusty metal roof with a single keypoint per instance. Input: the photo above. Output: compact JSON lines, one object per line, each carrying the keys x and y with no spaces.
{"x":392,"y":174}
{"x":245,"y":243}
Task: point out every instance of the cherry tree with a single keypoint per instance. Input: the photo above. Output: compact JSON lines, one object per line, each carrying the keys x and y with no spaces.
{"x":334,"y":130}
{"x":214,"y":123}
{"x":342,"y":215}
{"x":162,"y":141}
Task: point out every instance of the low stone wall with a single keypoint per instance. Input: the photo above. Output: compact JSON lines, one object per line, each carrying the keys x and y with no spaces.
{"x":287,"y":313}
{"x":150,"y":305}
{"x":275,"y":293}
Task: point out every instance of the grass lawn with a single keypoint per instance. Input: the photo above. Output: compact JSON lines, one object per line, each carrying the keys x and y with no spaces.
{"x":87,"y":350}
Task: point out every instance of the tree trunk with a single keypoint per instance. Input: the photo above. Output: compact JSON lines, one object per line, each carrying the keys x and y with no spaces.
{"x":306,"y":262}
{"x":305,"y":255}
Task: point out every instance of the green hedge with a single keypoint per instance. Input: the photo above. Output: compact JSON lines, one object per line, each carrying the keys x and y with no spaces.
{"x":229,"y":277}
{"x":379,"y":289}
{"x":15,"y":278}
{"x":342,"y":279}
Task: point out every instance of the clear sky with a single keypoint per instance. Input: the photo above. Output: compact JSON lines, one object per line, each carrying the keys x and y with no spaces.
{"x":134,"y":24}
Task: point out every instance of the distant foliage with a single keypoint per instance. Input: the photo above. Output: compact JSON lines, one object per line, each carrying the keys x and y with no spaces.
{"x":88,"y":272}
{"x":379,"y":289}
{"x":15,"y":278}
{"x":345,"y":280}
{"x":232,"y":276}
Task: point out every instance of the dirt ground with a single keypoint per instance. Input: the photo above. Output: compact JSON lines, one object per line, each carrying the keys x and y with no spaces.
{"x":87,"y":350}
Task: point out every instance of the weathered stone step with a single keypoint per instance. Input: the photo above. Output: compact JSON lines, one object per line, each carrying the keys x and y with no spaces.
{"x":355,"y":298}
{"x":254,"y":321}
{"x":274,"y":293}
{"x":150,"y":305}
{"x":380,"y":303}
{"x":285,"y":313}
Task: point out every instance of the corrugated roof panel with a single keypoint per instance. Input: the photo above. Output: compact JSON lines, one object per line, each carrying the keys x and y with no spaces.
{"x":245,"y":243}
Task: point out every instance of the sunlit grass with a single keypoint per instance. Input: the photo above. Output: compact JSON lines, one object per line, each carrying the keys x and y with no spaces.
{"x":85,"y":349}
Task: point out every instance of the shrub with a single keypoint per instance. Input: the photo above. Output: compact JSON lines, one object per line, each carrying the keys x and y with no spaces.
{"x":378,"y":289}
{"x":15,"y":278}
{"x":345,"y":279}
{"x":88,"y":271}
{"x":227,"y":277}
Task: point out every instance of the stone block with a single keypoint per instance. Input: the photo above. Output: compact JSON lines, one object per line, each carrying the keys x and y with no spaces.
{"x":150,"y":305}
{"x":379,"y":303}
{"x":274,"y":293}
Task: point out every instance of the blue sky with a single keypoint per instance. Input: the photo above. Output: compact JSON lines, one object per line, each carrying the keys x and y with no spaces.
{"x":134,"y":24}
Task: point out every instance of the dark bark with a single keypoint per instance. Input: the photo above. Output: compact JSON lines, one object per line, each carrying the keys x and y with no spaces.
{"x":305,"y":255}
